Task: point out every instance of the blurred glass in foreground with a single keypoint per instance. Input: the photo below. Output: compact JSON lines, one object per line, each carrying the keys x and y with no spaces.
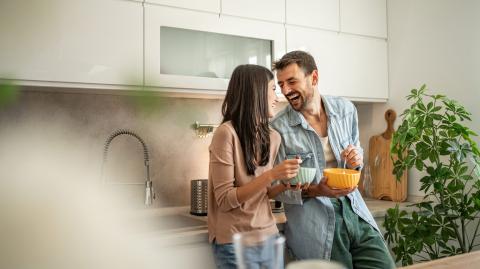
{"x":254,"y":250}
{"x":314,"y":264}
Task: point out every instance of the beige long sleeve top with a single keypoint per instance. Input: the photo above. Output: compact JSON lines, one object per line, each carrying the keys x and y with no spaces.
{"x":227,"y":171}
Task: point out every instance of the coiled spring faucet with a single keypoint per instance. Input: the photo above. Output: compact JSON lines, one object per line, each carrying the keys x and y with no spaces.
{"x":149,"y":192}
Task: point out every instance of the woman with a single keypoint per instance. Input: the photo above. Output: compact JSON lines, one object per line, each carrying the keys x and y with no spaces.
{"x":242,"y":154}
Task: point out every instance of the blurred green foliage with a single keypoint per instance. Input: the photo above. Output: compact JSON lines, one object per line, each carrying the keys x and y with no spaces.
{"x":8,"y":93}
{"x":146,"y":102}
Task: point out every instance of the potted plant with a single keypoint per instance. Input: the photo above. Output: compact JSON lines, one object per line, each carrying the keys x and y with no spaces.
{"x":433,"y":139}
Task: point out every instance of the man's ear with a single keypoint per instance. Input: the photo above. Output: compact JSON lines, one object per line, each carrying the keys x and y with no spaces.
{"x":314,"y":78}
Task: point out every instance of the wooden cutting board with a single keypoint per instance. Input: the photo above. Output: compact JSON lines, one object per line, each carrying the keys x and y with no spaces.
{"x":384,"y":184}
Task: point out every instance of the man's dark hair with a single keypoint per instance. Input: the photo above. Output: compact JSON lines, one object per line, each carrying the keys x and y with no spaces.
{"x":303,"y":59}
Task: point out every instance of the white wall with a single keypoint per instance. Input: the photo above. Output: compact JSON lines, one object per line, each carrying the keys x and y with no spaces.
{"x":436,"y":42}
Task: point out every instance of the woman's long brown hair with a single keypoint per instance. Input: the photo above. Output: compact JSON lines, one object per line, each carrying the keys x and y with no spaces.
{"x":246,"y":106}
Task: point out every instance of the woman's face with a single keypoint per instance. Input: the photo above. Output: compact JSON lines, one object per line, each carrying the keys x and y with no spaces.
{"x":272,"y":99}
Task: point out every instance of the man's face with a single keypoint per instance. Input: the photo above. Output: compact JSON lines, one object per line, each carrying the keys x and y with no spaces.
{"x":297,"y":88}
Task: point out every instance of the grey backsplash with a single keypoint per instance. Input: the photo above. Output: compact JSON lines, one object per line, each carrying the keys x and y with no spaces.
{"x":63,"y":134}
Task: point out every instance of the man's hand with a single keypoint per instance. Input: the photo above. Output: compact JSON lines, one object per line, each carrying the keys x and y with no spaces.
{"x":322,"y":189}
{"x":353,"y":157}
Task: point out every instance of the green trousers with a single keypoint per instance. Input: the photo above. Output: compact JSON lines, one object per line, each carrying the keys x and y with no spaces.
{"x":356,"y":244}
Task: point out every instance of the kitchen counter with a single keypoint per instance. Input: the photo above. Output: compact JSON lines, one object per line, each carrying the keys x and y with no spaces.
{"x":173,"y":232}
{"x":198,"y":233}
{"x":378,"y":208}
{"x":465,"y":261}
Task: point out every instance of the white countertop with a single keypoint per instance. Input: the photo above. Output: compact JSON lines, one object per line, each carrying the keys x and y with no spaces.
{"x":465,"y":261}
{"x":199,"y":232}
{"x":378,"y":208}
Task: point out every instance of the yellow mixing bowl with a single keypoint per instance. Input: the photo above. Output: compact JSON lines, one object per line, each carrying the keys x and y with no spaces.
{"x":340,"y":178}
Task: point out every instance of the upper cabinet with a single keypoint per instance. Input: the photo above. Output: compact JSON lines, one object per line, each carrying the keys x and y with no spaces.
{"x":202,"y":5}
{"x":269,"y":10}
{"x":86,"y":41}
{"x":363,"y":67}
{"x":364,"y":17}
{"x":323,"y":45}
{"x":186,"y":49}
{"x":350,"y":66}
{"x":191,"y":46}
{"x":322,"y":14}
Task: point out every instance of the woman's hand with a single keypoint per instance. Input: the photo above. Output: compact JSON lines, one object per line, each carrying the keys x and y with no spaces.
{"x":286,"y":170}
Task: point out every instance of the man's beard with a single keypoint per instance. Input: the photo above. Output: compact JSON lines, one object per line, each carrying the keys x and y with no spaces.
{"x":301,"y":103}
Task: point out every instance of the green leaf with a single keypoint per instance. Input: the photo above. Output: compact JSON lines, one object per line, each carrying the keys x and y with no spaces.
{"x":437,"y":186}
{"x":462,"y":170}
{"x":444,"y":234}
{"x":429,"y":106}
{"x":422,"y":107}
{"x":419,"y":164}
{"x":437,"y":117}
{"x":433,"y":156}
{"x":437,"y":108}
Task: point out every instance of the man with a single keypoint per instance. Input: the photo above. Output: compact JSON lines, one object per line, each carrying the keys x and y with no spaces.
{"x":324,"y":223}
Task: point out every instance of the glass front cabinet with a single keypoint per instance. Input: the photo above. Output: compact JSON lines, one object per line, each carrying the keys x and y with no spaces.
{"x":189,"y":50}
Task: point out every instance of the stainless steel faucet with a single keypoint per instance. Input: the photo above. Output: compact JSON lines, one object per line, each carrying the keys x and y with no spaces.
{"x":149,"y":192}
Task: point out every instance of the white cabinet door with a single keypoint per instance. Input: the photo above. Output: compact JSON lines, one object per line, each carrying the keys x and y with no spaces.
{"x":363,"y":67}
{"x":269,"y":10}
{"x":202,"y":5}
{"x":322,"y":14}
{"x":71,"y":41}
{"x":365,"y":17}
{"x":323,"y":45}
{"x":349,"y":66}
{"x":158,"y":16}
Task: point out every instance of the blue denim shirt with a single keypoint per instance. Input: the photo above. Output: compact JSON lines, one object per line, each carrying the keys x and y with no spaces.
{"x":311,"y":221}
